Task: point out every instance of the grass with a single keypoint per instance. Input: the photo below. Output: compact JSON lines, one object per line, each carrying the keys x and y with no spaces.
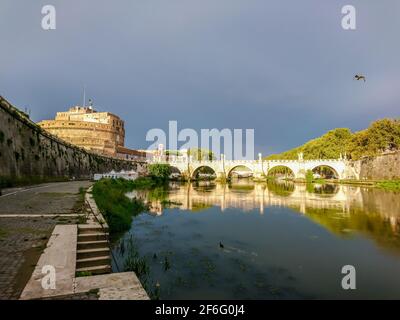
{"x":134,"y":262}
{"x":116,"y":208}
{"x":391,"y":185}
{"x":3,"y":234}
{"x":83,"y":274}
{"x":80,"y":203}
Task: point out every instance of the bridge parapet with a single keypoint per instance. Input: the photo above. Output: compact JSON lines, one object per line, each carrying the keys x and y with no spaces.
{"x":309,"y":160}
{"x":259,"y":167}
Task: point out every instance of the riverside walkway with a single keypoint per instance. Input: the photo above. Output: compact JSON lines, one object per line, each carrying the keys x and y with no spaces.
{"x":27,"y":219}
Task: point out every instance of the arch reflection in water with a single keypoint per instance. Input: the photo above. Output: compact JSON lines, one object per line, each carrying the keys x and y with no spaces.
{"x":246,"y":195}
{"x":342,"y":209}
{"x":276,"y":237}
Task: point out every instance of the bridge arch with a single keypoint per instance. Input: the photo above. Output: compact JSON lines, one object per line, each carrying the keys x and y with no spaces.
{"x":175,"y":169}
{"x":205,"y":170}
{"x":176,"y":173}
{"x":232,"y":169}
{"x":282,"y":170}
{"x":326,"y":171}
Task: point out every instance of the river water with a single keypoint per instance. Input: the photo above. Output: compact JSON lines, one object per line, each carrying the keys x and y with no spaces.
{"x":266,"y":241}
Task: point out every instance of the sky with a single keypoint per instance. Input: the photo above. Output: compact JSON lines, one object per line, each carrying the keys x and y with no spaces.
{"x":283,"y":68}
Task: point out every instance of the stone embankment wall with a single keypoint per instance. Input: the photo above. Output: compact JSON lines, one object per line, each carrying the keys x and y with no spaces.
{"x":30,"y":154}
{"x":384,"y":167}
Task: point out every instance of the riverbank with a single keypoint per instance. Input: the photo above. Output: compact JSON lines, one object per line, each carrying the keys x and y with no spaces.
{"x":118,"y":211}
{"x":116,"y":208}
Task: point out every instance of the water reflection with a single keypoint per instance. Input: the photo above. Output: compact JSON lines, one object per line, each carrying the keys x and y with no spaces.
{"x":342,"y":209}
{"x":275,"y":238}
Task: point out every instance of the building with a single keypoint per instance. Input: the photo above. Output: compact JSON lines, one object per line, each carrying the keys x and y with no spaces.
{"x":99,"y":132}
{"x":127,"y":175}
{"x":129,"y":154}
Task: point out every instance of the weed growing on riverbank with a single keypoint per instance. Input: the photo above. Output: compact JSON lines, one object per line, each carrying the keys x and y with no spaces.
{"x":116,"y":208}
{"x":134,"y":262}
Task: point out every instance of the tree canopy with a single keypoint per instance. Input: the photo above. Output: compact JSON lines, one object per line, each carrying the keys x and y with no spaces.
{"x":201,"y":154}
{"x":382,"y":135}
{"x":160,"y":171}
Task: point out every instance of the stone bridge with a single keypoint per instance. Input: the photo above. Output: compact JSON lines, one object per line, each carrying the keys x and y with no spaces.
{"x":343,"y":169}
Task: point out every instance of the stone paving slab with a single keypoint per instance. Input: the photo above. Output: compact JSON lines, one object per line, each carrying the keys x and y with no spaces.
{"x":114,"y":286}
{"x":53,"y":198}
{"x":55,"y":215}
{"x":61,"y":254}
{"x":22,"y":240}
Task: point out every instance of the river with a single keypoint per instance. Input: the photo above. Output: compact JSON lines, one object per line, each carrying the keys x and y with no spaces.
{"x":272,"y":240}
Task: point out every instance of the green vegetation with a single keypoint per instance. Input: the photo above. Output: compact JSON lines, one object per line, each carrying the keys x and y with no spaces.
{"x":200,"y":206}
{"x":160,"y":171}
{"x":173,"y":153}
{"x":309,"y":176}
{"x":280,"y":171}
{"x":382,"y":135}
{"x":201,"y":154}
{"x":282,"y":189}
{"x":391,"y":185}
{"x":3,"y":233}
{"x":116,"y":208}
{"x":80,"y":204}
{"x":134,"y":262}
{"x":83,"y":274}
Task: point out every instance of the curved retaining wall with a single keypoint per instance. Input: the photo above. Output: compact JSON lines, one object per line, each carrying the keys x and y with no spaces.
{"x":30,"y":154}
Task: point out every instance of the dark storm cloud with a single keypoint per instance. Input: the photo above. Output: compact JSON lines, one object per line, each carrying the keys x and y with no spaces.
{"x":284,"y":68}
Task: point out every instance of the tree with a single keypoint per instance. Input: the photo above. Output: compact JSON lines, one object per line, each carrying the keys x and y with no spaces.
{"x":309,"y":176}
{"x":382,"y":135}
{"x":199,"y":154}
{"x":160,"y":171}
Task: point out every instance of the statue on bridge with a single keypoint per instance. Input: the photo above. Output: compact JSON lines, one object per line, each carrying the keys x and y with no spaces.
{"x":300,"y":156}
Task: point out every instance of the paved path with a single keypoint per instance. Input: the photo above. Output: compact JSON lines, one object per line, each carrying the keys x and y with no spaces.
{"x":27,"y":219}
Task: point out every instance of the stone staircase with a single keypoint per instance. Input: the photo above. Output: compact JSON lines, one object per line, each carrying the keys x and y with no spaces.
{"x":83,"y":248}
{"x":93,"y":254}
{"x":93,"y":251}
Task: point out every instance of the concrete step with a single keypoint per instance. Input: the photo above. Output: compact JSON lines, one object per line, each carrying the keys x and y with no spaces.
{"x":92,"y":253}
{"x":92,"y":237}
{"x":127,"y":284}
{"x":91,"y":228}
{"x":60,"y":252}
{"x":83,"y":245}
{"x":93,"y":262}
{"x":96,"y":270}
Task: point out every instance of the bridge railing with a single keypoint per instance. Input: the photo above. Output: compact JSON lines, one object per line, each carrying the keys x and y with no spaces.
{"x":232,"y":162}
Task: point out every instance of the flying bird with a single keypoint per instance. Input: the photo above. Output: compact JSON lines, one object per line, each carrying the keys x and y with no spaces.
{"x":359,"y":77}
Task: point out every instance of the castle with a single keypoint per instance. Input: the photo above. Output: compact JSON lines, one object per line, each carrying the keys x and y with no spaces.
{"x":99,"y":132}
